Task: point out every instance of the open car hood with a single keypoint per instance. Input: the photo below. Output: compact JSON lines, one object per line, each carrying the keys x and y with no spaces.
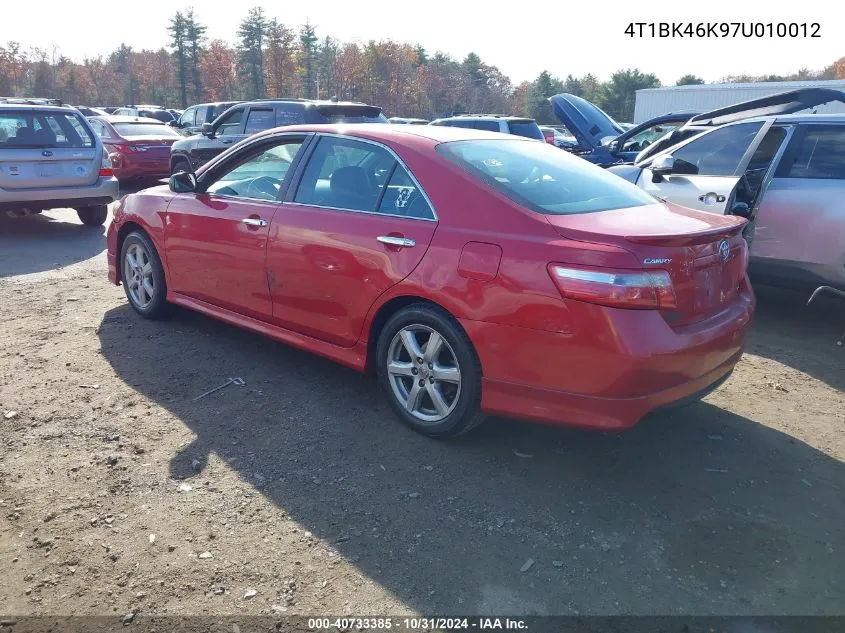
{"x":589,"y":124}
{"x":772,"y":105}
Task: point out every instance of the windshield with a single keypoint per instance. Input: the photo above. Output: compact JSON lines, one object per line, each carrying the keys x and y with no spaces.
{"x":144,"y":129}
{"x":31,"y":129}
{"x":541,"y":177}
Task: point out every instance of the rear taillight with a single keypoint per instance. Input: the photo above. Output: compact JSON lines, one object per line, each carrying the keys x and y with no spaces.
{"x":646,"y":290}
{"x":106,"y":170}
{"x":743,"y":246}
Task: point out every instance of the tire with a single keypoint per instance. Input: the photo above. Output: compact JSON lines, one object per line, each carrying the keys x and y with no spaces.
{"x":93,"y":216}
{"x":402,"y":377}
{"x":145,"y":288}
{"x":180,"y":164}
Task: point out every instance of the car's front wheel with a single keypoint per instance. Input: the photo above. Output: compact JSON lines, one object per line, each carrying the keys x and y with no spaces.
{"x":143,"y":276}
{"x":93,"y":216}
{"x":430,"y":371}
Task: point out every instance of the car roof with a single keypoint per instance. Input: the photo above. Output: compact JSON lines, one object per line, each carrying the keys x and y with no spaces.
{"x":485,"y":117}
{"x":129,"y":119}
{"x":430,"y":135}
{"x":34,"y":107}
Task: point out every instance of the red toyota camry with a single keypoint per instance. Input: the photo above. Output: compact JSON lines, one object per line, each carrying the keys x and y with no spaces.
{"x":138,"y":147}
{"x":473,"y":273}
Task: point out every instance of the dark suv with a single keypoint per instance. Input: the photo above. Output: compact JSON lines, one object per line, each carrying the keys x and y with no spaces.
{"x":246,"y":119}
{"x":193,"y":118}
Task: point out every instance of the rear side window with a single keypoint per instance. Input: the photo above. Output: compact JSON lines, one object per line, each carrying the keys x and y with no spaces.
{"x":528,"y":129}
{"x":489,"y":126}
{"x":28,"y":129}
{"x":717,"y":153}
{"x":403,"y":197}
{"x":259,"y":120}
{"x":290,"y":115}
{"x":352,"y":175}
{"x":542,"y":178}
{"x":821,"y":154}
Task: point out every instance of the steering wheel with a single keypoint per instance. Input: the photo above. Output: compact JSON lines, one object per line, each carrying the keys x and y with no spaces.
{"x":264,"y":187}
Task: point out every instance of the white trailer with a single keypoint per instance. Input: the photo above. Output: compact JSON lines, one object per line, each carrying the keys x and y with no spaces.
{"x":652,"y":102}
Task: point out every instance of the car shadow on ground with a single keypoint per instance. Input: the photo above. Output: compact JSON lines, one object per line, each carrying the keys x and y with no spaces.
{"x":803,"y":337}
{"x":694,"y":511}
{"x":40,"y":242}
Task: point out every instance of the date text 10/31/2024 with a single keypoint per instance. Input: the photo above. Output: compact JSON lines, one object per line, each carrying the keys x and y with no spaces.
{"x":417,"y":624}
{"x":723,"y":29}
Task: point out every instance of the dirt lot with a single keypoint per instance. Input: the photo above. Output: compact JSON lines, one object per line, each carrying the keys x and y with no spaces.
{"x":118,"y":493}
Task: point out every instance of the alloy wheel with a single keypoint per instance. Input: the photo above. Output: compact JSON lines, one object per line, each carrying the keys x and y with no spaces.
{"x":424,"y":373}
{"x":138,"y":275}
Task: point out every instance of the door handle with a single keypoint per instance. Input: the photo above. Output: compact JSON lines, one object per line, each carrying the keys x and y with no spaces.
{"x":392,"y":240}
{"x":254,"y":222}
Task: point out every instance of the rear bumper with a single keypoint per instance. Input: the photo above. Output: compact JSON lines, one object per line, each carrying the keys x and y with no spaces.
{"x":104,"y":191}
{"x":619,"y":366}
{"x":125,"y":168}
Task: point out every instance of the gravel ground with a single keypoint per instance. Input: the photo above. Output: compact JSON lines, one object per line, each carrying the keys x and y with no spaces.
{"x":299,"y":492}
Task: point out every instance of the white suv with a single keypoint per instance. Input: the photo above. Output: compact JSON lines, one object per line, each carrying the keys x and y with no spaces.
{"x":51,"y":158}
{"x":495,"y":123}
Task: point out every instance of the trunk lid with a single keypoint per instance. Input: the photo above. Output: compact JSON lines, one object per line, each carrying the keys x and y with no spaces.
{"x":704,"y":254}
{"x":31,"y":168}
{"x":588,"y":123}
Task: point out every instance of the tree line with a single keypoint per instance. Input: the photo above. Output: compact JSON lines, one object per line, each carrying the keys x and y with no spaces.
{"x":271,"y":59}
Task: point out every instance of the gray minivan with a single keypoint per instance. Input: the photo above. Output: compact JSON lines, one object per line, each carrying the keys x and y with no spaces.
{"x":51,"y":158}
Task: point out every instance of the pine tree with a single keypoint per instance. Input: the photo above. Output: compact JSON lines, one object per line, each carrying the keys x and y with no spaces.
{"x":194,"y":38}
{"x":308,"y":43}
{"x":252,"y":32}
{"x":179,"y":45}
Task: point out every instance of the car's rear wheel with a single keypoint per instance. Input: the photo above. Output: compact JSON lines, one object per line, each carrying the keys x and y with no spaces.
{"x":180,"y":164}
{"x":93,"y":216}
{"x":430,"y":372}
{"x":143,"y":276}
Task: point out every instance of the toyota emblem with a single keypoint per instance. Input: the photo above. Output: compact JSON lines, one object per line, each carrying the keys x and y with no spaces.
{"x":724,"y":250}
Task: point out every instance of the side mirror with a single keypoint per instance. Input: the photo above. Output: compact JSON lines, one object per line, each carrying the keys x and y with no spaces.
{"x":207,"y":130}
{"x":173,"y":123}
{"x":661,"y":166}
{"x":183,"y":182}
{"x":741,"y":209}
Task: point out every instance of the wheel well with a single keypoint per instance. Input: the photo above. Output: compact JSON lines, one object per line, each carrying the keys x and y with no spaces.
{"x":383,"y":315}
{"x":175,"y":158}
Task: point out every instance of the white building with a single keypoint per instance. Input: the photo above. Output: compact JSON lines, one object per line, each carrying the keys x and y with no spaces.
{"x":652,"y":102}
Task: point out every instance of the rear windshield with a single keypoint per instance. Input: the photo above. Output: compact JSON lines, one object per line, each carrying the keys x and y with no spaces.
{"x":144,"y":129}
{"x":541,"y":177}
{"x":528,"y":129}
{"x":159,"y":115}
{"x":28,"y":129}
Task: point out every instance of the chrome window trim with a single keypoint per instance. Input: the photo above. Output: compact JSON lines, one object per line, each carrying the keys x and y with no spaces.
{"x":396,"y":158}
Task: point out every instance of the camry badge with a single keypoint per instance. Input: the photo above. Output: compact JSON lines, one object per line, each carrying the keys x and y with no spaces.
{"x":657,"y":260}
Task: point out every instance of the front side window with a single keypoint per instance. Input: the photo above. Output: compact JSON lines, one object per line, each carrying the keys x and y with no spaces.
{"x":820,"y":155}
{"x":188,"y":117}
{"x":231,"y":123}
{"x":345,"y":174}
{"x":542,"y":178}
{"x":258,"y":176}
{"x":259,"y":120}
{"x":716,"y":153}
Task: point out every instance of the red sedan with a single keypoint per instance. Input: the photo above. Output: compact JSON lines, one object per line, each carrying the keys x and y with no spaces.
{"x":139,"y":147}
{"x":473,"y":273}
